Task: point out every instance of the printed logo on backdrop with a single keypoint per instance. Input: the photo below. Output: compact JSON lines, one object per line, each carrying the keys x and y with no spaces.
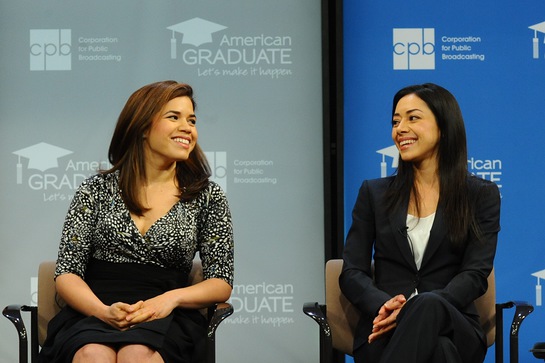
{"x":391,"y":154}
{"x":45,"y":169}
{"x":254,"y":172}
{"x":218,"y":164}
{"x":488,"y":169}
{"x":415,"y":48}
{"x":52,"y":50}
{"x":263,"y":304}
{"x":537,"y":28}
{"x":216,"y":52}
{"x":539,"y":275}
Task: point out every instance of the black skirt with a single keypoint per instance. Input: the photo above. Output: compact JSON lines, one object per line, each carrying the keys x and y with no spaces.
{"x":179,"y":338}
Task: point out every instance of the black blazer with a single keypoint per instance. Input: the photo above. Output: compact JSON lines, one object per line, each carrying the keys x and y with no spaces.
{"x":457,"y":274}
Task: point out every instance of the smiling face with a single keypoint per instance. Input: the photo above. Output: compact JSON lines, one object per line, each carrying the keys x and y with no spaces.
{"x":173,"y":133}
{"x":415,"y":131}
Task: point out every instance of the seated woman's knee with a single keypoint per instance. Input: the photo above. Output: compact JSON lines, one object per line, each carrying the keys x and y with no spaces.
{"x":428,"y":299}
{"x":428,"y":302}
{"x":95,"y":353}
{"x":137,"y":353}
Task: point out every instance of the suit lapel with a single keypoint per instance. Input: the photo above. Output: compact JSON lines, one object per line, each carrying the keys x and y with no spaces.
{"x":437,"y":235}
{"x":398,"y":223}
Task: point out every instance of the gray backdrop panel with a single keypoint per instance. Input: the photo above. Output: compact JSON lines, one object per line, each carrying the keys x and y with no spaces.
{"x":67,"y":68}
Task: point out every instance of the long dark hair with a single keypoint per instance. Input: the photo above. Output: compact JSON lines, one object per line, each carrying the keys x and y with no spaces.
{"x":452,"y":158}
{"x":126,"y":152}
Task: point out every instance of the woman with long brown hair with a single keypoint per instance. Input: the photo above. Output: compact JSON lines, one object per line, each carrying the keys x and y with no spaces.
{"x":130,"y":236}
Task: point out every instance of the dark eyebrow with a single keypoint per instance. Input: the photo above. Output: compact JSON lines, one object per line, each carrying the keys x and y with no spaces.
{"x":408,"y":111}
{"x":178,"y":113}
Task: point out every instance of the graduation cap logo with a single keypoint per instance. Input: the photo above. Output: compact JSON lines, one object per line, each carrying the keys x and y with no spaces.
{"x":195,"y":32}
{"x":539,"y":275}
{"x":540,"y":27}
{"x":41,"y":156}
{"x":392,"y":152}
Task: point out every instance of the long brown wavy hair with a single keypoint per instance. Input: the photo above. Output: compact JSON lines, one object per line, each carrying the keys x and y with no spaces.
{"x":126,"y":152}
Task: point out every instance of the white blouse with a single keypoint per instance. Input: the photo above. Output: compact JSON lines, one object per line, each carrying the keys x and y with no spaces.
{"x":418,"y":235}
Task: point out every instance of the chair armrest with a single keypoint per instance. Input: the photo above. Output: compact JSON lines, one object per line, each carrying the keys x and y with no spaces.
{"x":318,"y":313}
{"x":216,"y":314}
{"x":13,"y":313}
{"x":522,"y":310}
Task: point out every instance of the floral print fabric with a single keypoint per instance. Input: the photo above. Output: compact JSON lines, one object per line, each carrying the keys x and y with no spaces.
{"x":98,"y":224}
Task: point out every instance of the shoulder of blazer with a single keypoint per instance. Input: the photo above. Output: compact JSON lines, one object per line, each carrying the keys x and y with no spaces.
{"x":477,"y":185}
{"x":375,"y":189}
{"x":379,"y":183}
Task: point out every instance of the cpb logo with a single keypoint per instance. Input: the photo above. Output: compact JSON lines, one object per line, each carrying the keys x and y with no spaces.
{"x":50,"y":49}
{"x":218,"y":163}
{"x":414,"y":48}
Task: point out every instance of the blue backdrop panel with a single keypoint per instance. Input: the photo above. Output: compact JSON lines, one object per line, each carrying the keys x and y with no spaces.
{"x":491,"y":56}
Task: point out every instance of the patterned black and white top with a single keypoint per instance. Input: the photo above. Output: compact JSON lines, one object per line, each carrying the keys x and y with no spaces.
{"x":98,"y":224}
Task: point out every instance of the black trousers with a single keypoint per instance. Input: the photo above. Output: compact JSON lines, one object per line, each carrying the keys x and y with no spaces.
{"x":429,"y":330}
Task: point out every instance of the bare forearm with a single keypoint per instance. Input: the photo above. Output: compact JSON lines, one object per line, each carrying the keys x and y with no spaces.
{"x":202,"y":294}
{"x":196,"y":296}
{"x":79,"y":296}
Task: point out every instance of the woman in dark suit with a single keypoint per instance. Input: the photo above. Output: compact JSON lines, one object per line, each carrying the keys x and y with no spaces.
{"x":422,"y":242}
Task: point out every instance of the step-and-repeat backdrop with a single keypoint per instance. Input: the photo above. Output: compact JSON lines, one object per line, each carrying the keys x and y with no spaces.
{"x":491,"y":56}
{"x":66,"y":70}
